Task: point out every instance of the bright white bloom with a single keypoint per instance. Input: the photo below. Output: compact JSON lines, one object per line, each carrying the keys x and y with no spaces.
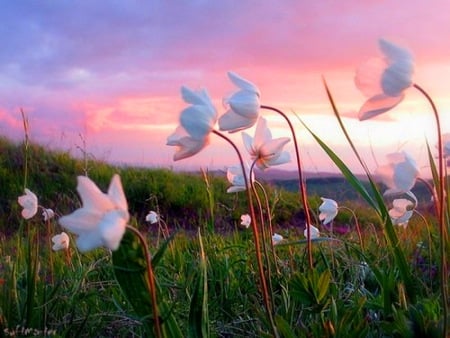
{"x":48,"y":214}
{"x":328,"y":210}
{"x":236,"y":178}
{"x":401,"y":212}
{"x":196,"y":123}
{"x":276,"y":239}
{"x":243,"y":105}
{"x":60,"y":242}
{"x":315,"y":233}
{"x":29,"y":203}
{"x":152,"y":217}
{"x":384,"y":79}
{"x":400,"y":174}
{"x":102,"y":219}
{"x":246,"y":220}
{"x":263,"y":149}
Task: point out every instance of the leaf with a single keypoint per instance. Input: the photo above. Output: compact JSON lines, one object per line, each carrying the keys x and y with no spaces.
{"x":198,"y":313}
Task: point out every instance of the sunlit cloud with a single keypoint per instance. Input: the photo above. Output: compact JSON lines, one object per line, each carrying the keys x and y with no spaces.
{"x":113,"y":73}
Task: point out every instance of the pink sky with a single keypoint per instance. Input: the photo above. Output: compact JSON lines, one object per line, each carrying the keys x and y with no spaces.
{"x":111,"y":75}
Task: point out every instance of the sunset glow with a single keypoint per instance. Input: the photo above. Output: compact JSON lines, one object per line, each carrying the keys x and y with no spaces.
{"x":110,"y":76}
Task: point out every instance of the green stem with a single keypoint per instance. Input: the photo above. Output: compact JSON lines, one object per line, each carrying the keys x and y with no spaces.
{"x":151,"y":279}
{"x":441,"y":214}
{"x":257,"y":243}
{"x":301,"y":182}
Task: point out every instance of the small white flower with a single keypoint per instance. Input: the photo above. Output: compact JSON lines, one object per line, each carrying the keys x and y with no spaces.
{"x":328,"y":210}
{"x":264,"y":150}
{"x":29,"y":202}
{"x":48,"y":214}
{"x":401,"y":212}
{"x":246,"y":220}
{"x":102,"y":219}
{"x":152,"y":217}
{"x":276,"y":239}
{"x":236,"y":177}
{"x":400,"y":174}
{"x":315,"y":233}
{"x":196,"y":123}
{"x":60,"y":242}
{"x":384,"y":79}
{"x":244,"y":106}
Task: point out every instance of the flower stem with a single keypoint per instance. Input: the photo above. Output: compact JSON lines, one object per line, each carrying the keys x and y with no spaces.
{"x":151,"y":279}
{"x":301,"y":182}
{"x":262,"y":278}
{"x":441,"y":208}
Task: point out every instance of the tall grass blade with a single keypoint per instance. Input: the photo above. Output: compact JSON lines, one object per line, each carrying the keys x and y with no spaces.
{"x":198,"y":314}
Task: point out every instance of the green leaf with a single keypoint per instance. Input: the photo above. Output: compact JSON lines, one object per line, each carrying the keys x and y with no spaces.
{"x":198,"y":314}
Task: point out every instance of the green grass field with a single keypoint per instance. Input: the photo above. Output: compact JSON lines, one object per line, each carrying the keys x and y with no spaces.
{"x":207,"y":281}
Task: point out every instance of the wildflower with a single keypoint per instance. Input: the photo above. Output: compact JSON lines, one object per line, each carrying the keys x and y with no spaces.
{"x":384,"y":79}
{"x":315,"y":233}
{"x":246,"y":220}
{"x":187,"y":146}
{"x":328,"y":210}
{"x":276,"y":239}
{"x":102,"y":219}
{"x":60,"y":242}
{"x":196,"y":123}
{"x":244,"y":106}
{"x":29,"y":202}
{"x":152,"y":217}
{"x":264,"y":150}
{"x":401,"y":212}
{"x":236,"y":177}
{"x":400,"y":174}
{"x":48,"y":214}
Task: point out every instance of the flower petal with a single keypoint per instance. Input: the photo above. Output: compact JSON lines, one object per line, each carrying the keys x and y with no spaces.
{"x":196,"y":121}
{"x":115,"y":192}
{"x":232,"y":122}
{"x":242,"y":83}
{"x":112,"y":227}
{"x":377,"y":105}
{"x":93,"y":199}
{"x":80,"y":221}
{"x":189,"y":147}
{"x":368,"y":76}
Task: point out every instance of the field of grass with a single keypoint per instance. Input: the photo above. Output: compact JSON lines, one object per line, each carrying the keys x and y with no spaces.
{"x":207,"y":281}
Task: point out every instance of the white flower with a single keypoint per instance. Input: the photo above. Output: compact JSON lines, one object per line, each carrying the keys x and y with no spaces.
{"x":29,"y":203}
{"x":48,"y":214}
{"x":244,"y":106}
{"x":236,"y":178}
{"x":276,"y":239}
{"x":246,"y":220}
{"x":187,"y":146}
{"x":196,"y":123}
{"x":315,"y":233}
{"x":102,"y":219}
{"x":384,"y":79}
{"x":263,"y":149}
{"x":328,"y":210}
{"x":152,"y":217}
{"x":60,"y":242}
{"x":400,"y":174}
{"x":401,"y":212}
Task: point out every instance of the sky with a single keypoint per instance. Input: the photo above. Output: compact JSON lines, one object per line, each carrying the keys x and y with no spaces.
{"x":103,"y":78}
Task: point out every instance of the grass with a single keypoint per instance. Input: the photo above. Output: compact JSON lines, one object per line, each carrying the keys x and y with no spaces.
{"x":207,"y":282}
